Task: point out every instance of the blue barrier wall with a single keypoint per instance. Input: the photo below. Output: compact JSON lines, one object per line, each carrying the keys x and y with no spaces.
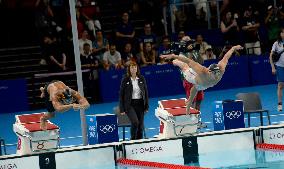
{"x":13,"y":95}
{"x":110,"y":84}
{"x":164,"y":80}
{"x":260,"y":71}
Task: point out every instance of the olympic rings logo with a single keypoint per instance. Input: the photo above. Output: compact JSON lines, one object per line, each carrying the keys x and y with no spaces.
{"x":107,"y":128}
{"x":233,"y":114}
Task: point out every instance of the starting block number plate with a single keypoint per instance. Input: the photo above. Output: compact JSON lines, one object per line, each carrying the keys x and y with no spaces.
{"x":44,"y":145}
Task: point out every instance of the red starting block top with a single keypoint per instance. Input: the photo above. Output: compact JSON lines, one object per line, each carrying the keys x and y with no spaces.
{"x":170,"y":104}
{"x":30,"y":118}
{"x":33,"y":127}
{"x":181,"y":111}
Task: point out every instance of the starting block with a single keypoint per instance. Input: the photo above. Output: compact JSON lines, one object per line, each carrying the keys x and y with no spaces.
{"x":31,"y":138}
{"x":173,"y":118}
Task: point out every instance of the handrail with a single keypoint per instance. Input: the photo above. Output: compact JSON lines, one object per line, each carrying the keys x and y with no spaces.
{"x":42,"y":75}
{"x":19,"y":48}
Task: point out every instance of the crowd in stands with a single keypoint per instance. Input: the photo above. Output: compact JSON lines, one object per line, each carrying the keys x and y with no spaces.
{"x":254,"y":27}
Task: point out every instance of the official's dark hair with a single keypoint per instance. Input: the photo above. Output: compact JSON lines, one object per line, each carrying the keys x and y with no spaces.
{"x":128,"y":69}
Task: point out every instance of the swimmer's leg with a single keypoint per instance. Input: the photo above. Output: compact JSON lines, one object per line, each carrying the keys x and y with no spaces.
{"x":183,"y":66}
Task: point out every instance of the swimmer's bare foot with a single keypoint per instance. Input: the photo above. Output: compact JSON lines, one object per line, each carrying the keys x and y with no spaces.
{"x":43,"y":124}
{"x":188,"y":111}
{"x":188,"y":107}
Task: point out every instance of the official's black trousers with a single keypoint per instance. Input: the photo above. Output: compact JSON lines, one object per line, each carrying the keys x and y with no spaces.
{"x":136,"y":116}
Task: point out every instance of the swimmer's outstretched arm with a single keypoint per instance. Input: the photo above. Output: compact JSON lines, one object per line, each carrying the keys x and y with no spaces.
{"x":223,"y":63}
{"x":198,"y":68}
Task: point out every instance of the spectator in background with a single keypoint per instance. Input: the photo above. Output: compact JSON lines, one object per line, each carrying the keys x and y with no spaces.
{"x":124,"y":32}
{"x":209,"y":53}
{"x":149,"y":55}
{"x":181,"y":34}
{"x":133,"y":100}
{"x":55,"y":57}
{"x":200,"y":45}
{"x":90,"y":14}
{"x":147,"y":37}
{"x":165,"y":16}
{"x":127,"y":55}
{"x":80,"y":24}
{"x":281,"y":12}
{"x":272,"y":22}
{"x":250,"y":25}
{"x":230,"y":28}
{"x":112,"y":58}
{"x":278,"y":67}
{"x":201,"y":9}
{"x":91,"y":78}
{"x":84,"y":39}
{"x":165,"y":48}
{"x":59,"y":10}
{"x":44,"y":19}
{"x":100,"y":46}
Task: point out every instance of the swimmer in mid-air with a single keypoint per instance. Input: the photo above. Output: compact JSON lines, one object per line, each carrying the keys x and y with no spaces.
{"x":59,"y":98}
{"x":201,"y":76}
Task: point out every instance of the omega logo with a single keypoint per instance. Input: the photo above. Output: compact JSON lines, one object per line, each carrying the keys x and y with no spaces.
{"x":147,"y":149}
{"x":8,"y":166}
{"x":276,"y":136}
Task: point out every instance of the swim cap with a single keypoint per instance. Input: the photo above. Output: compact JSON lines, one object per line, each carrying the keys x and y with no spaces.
{"x":214,"y":68}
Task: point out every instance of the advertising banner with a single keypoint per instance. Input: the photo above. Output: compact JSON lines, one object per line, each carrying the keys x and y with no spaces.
{"x":31,"y":162}
{"x":156,"y":151}
{"x":273,"y":135}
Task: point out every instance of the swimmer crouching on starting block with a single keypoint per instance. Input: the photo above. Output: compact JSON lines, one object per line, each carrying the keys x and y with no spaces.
{"x":200,"y":76}
{"x":59,"y":97}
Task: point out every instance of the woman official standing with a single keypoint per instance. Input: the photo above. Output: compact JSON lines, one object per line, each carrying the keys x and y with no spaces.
{"x":134,"y":99}
{"x":277,"y":66}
